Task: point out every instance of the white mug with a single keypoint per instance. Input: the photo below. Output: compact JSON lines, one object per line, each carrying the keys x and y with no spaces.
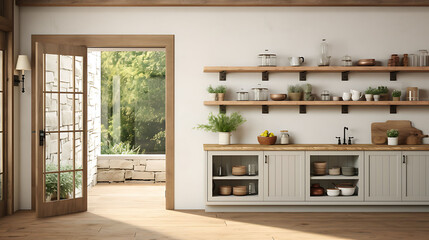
{"x":346,"y":96}
{"x":296,"y":61}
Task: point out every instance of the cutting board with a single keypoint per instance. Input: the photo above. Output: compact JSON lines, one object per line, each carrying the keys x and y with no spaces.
{"x":379,"y":129}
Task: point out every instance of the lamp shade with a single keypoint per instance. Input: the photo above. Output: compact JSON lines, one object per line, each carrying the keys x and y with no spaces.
{"x":23,"y":63}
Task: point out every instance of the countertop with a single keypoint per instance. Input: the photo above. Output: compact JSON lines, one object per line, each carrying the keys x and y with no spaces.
{"x":314,"y":147}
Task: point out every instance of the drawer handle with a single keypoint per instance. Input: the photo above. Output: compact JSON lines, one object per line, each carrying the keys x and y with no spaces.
{"x":266,"y":159}
{"x":404,"y":159}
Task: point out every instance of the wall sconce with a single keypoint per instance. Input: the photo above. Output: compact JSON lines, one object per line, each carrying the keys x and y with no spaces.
{"x":21,"y":65}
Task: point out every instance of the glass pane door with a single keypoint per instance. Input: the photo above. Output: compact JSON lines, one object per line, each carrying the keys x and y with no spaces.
{"x":63,"y":104}
{"x":1,"y":128}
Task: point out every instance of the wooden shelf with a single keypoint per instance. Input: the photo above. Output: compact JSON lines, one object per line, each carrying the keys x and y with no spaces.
{"x":302,"y":104}
{"x":329,"y":177}
{"x":236,"y":178}
{"x":314,"y":147}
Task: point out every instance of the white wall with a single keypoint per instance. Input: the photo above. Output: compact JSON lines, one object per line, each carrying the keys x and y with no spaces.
{"x":234,"y":36}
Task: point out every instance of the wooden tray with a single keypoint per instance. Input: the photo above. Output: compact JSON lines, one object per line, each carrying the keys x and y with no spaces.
{"x":379,"y":129}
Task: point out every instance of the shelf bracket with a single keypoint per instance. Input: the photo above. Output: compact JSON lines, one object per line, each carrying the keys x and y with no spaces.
{"x":222,"y":76}
{"x":302,"y":109}
{"x":345,"y":76}
{"x":303,"y":76}
{"x":265,"y":76}
{"x":393,"y":109}
{"x":393,"y":76}
{"x":265,"y":109}
{"x":344,"y":109}
{"x":222,"y":109}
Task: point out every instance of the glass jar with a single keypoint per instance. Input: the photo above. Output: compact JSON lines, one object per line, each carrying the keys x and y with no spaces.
{"x":252,"y":169}
{"x":260,"y":93}
{"x":284,"y":137}
{"x":423,"y":58}
{"x":242,"y":95}
{"x":413,"y":60}
{"x":324,"y":56}
{"x":347,"y":61}
{"x":326,"y":96}
{"x":412,"y":94}
{"x":267,"y":59}
{"x":252,"y":188}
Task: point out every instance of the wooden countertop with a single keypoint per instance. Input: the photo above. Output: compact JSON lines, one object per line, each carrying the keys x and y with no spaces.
{"x":314,"y":147}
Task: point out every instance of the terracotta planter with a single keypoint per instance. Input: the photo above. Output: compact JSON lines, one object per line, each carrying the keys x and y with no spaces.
{"x":384,"y":97}
{"x":220,"y":96}
{"x":295,"y":96}
{"x":396,"y":98}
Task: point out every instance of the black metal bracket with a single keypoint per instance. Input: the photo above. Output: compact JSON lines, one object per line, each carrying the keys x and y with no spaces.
{"x":222,"y":76}
{"x":303,"y":76}
{"x":393,"y":109}
{"x":345,"y":76}
{"x":344,"y":109}
{"x":302,"y":109}
{"x":265,"y":76}
{"x":393,"y":76}
{"x":222,"y":109}
{"x":265,"y":109}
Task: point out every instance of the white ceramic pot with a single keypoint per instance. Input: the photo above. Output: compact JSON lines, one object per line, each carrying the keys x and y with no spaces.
{"x":392,"y":141}
{"x":212,"y":96}
{"x":368,"y":97}
{"x":332,"y":192}
{"x":347,"y":191}
{"x":347,"y":96}
{"x":224,"y":138}
{"x":376,"y":98}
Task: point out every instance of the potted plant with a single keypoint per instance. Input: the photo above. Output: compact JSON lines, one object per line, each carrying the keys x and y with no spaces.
{"x":66,"y":183}
{"x":369,"y":92}
{"x":384,"y":93}
{"x":212,"y":93}
{"x":392,"y":137}
{"x":295,"y":92}
{"x":223,"y":124}
{"x":220,"y":91}
{"x":307,"y":92}
{"x":396,"y":95}
{"x":376,"y":95}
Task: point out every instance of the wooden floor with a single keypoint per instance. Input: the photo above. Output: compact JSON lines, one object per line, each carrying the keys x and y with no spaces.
{"x":137,"y":212}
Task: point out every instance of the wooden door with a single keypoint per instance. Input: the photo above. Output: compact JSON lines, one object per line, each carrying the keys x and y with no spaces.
{"x":383,"y":176}
{"x":2,"y":132}
{"x":415,"y":176}
{"x":61,"y":166}
{"x":284,"y":176}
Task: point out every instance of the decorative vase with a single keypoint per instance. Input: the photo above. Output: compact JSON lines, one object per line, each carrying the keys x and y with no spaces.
{"x":396,"y":98}
{"x":376,"y":98}
{"x":392,"y":141}
{"x":295,"y":96}
{"x":368,"y":97}
{"x":220,"y":96}
{"x":212,"y":96}
{"x":224,"y":138}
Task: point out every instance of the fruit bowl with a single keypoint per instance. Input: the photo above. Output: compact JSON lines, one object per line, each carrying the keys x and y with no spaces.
{"x":267,"y":140}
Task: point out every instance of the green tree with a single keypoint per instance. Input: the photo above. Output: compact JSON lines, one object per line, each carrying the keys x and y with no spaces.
{"x":133,"y":86}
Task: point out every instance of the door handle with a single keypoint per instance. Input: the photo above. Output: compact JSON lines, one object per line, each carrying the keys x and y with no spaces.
{"x":266,"y":158}
{"x":404,"y":159}
{"x":42,"y":136}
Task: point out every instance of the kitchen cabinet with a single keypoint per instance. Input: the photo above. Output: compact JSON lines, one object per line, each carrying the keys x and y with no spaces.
{"x":284,"y":176}
{"x":383,"y":181}
{"x":415,"y":176}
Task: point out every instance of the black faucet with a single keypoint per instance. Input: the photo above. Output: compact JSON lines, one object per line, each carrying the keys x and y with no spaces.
{"x":344,"y":137}
{"x":350,"y":140}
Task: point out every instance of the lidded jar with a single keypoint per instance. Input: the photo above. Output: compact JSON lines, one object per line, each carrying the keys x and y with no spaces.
{"x":326,"y":96}
{"x":347,"y":61}
{"x":267,"y":59}
{"x":260,"y":93}
{"x":423,"y":58}
{"x":284,"y":137}
{"x":242,"y":95}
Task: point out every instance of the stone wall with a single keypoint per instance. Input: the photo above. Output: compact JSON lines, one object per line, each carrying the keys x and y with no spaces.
{"x":131,"y":168}
{"x":94,"y":114}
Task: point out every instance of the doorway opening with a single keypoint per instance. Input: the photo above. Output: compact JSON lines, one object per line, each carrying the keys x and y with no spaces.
{"x":126,"y":116}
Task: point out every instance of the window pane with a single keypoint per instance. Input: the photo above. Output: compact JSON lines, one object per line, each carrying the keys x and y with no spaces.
{"x":66,"y":151}
{"x":51,"y":112}
{"x":79,"y":112}
{"x":51,"y":72}
{"x":133,"y":102}
{"x":1,"y":69}
{"x":66,"y":111}
{"x":66,"y":185}
{"x":1,"y":186}
{"x":51,"y":152}
{"x":1,"y":111}
{"x":78,"y":150}
{"x":78,"y":74}
{"x":51,"y":186}
{"x":66,"y":73}
{"x":78,"y":183}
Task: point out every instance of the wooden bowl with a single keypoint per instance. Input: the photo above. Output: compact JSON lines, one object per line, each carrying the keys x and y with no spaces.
{"x":239,"y":190}
{"x":238,"y":170}
{"x":267,"y":140}
{"x":366,"y":62}
{"x":225,"y":190}
{"x":278,"y":97}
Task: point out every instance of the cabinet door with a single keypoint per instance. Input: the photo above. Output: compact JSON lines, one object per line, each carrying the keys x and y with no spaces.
{"x":284,"y":176}
{"x":415,"y":176}
{"x":383,"y":176}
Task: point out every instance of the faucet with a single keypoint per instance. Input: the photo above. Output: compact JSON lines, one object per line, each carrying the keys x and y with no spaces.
{"x":344,"y":137}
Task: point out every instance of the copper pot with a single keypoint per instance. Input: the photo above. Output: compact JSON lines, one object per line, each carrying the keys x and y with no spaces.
{"x":316,"y":190}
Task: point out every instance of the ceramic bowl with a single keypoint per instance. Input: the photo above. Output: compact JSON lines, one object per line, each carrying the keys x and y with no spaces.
{"x":267,"y":140}
{"x":238,"y":170}
{"x":347,"y":191}
{"x":278,"y":97}
{"x":239,"y":190}
{"x":334,"y":171}
{"x":333,"y":192}
{"x":348,"y":171}
{"x":225,"y":190}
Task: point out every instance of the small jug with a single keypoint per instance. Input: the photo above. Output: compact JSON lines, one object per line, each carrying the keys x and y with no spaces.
{"x":296,"y":61}
{"x":356,"y":95}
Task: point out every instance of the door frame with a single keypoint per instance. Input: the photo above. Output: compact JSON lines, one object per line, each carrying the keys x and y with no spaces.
{"x":114,"y":41}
